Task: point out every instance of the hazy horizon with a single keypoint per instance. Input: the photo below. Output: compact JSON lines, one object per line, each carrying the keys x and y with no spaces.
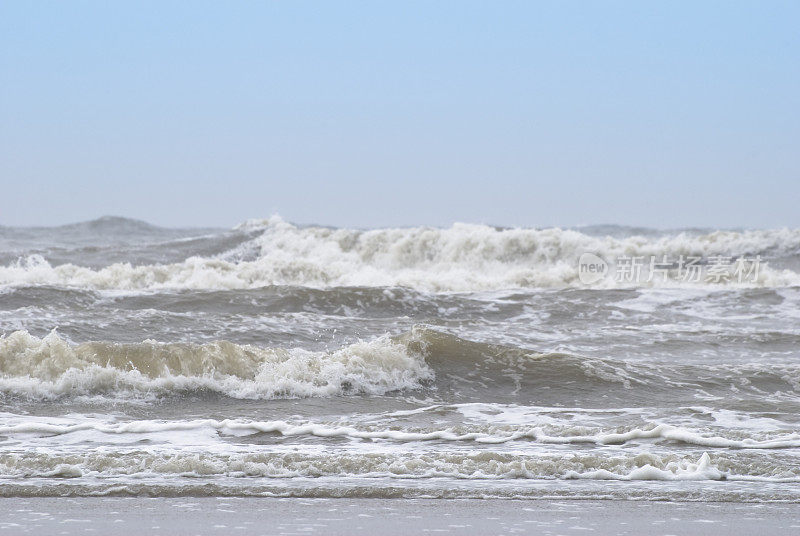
{"x":579,"y":226}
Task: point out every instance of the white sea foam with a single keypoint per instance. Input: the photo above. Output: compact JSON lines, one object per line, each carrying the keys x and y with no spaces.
{"x":111,"y":462}
{"x":319,"y":429}
{"x":463,"y":257}
{"x":51,"y":367}
{"x":114,"y":449}
{"x":682,"y":470}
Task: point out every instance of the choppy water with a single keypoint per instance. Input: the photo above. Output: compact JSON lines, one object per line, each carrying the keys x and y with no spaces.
{"x":461,"y":362}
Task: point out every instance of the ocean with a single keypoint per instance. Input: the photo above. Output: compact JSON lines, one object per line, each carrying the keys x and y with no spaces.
{"x":282,"y":360}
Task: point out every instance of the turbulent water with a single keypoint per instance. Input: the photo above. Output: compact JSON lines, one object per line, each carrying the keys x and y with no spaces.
{"x":472,"y":361}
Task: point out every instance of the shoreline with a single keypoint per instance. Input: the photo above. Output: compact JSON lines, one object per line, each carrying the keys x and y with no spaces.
{"x":285,"y":516}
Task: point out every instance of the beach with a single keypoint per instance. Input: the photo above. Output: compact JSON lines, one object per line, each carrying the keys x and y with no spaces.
{"x":295,"y":516}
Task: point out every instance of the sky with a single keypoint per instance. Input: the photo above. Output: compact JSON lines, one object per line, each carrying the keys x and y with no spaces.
{"x":373,"y":114}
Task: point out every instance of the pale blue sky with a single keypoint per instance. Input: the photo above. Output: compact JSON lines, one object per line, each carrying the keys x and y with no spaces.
{"x":369,"y":114}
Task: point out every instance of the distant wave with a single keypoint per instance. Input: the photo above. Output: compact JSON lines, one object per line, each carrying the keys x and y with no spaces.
{"x":460,"y":258}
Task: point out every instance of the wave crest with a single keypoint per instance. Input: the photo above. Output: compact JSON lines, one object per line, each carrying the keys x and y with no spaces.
{"x":50,"y":367}
{"x":464,"y":257}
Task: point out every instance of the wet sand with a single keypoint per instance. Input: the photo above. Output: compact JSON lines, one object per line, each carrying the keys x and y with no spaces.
{"x":271,"y":516}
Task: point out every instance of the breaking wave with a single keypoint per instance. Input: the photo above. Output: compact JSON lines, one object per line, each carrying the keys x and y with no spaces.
{"x":556,"y":435}
{"x":51,"y":367}
{"x":464,"y":257}
{"x":472,"y":466}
